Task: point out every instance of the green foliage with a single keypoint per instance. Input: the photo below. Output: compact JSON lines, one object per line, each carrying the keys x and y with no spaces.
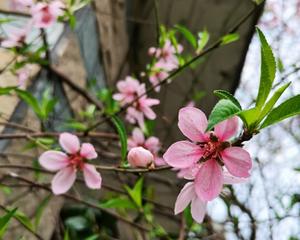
{"x":258,"y":2}
{"x":110,"y":105}
{"x":229,"y":38}
{"x":24,"y":220}
{"x":203,"y":38}
{"x":4,"y":221}
{"x":6,"y":90}
{"x":288,"y":108}
{"x":118,"y":202}
{"x":120,"y":127}
{"x":189,"y":36}
{"x":40,"y":209}
{"x":268,"y":70}
{"x":223,"y":110}
{"x":227,"y":95}
{"x":136,"y":192}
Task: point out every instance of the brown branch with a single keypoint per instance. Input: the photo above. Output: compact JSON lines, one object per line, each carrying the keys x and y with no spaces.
{"x":17,"y":126}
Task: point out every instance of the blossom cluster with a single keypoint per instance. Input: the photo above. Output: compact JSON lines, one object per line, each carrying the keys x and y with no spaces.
{"x":43,"y":15}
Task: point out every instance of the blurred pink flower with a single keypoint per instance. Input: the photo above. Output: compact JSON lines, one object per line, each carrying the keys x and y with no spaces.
{"x":23,"y":75}
{"x":140,"y":157}
{"x":156,"y":76}
{"x":141,"y":108}
{"x":188,"y":195}
{"x":208,"y":152}
{"x":152,"y":144}
{"x":20,"y":5}
{"x":16,"y":37}
{"x":68,"y":163}
{"x":128,"y":89}
{"x":46,"y":14}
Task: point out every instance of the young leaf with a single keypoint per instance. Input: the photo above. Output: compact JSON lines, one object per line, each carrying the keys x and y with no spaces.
{"x":289,"y":108}
{"x":6,"y":90}
{"x":229,"y":38}
{"x":122,"y":134}
{"x":202,"y":41}
{"x":269,"y":105}
{"x":250,"y":117}
{"x":187,"y":34}
{"x":223,"y":110}
{"x":136,"y":192}
{"x":40,"y":209}
{"x":4,"y":221}
{"x":31,"y":101}
{"x":119,"y":202}
{"x":268,"y":70}
{"x":24,"y":220}
{"x":227,"y":95}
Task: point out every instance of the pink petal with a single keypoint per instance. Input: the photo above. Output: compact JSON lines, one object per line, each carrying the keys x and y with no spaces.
{"x":69,"y":142}
{"x":185,"y":196}
{"x":53,"y":160}
{"x":227,"y":129}
{"x":92,"y":178}
{"x":63,"y":180}
{"x":182,"y":154}
{"x":88,"y":151}
{"x":229,"y":179}
{"x":237,"y":161}
{"x":138,"y":136}
{"x":192,"y":122}
{"x":209,"y":180}
{"x":140,"y":157}
{"x":198,"y":209}
{"x":159,"y":161}
{"x":152,"y":144}
{"x":189,"y":173}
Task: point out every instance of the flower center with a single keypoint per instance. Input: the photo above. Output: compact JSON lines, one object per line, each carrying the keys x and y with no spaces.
{"x":77,"y":161}
{"x":46,"y":15}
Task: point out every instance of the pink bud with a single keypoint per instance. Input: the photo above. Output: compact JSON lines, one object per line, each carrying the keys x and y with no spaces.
{"x":152,"y":51}
{"x":140,"y":157}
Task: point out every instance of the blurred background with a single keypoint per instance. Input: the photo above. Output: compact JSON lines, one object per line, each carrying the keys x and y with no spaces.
{"x":110,"y":41}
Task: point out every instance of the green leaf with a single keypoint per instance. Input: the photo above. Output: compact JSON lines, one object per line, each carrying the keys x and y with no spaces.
{"x":6,"y":90}
{"x":258,"y":2}
{"x":79,"y":126}
{"x":229,"y":38}
{"x":24,"y":220}
{"x":202,"y":41}
{"x":136,"y":192}
{"x":119,"y":202}
{"x":122,"y":134}
{"x":269,"y":105}
{"x":227,"y":95}
{"x":67,"y":235}
{"x":4,"y":221}
{"x":289,"y":108}
{"x":187,"y":34}
{"x":40,"y":209}
{"x":47,"y":104}
{"x":268,"y":70}
{"x":223,"y":110}
{"x":250,"y":117}
{"x":31,"y":101}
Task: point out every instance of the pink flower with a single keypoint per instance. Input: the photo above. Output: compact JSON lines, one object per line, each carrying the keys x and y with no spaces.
{"x":128,"y":89}
{"x":140,"y":157}
{"x":44,"y":14}
{"x":68,"y":163}
{"x":152,"y":144}
{"x":23,"y":75}
{"x":188,"y":195}
{"x":156,"y":77}
{"x":20,"y":5}
{"x":16,"y":37}
{"x":141,"y":108}
{"x":208,"y":152}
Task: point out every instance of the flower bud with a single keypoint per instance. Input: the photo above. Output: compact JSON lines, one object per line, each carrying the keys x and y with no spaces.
{"x":140,"y":157}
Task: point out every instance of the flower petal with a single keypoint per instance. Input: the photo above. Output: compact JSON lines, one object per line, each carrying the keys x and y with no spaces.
{"x":227,"y":129}
{"x":138,"y":136}
{"x":140,"y":157}
{"x":229,"y":179}
{"x":209,"y":180}
{"x":152,"y":144}
{"x":53,"y":160}
{"x":69,"y":142}
{"x":198,"y":209}
{"x":88,"y":151}
{"x":91,"y":176}
{"x":63,"y":180}
{"x":182,"y":154}
{"x":185,"y":196}
{"x":192,"y":123}
{"x":237,"y":161}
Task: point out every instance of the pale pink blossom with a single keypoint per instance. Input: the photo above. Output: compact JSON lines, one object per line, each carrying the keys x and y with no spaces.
{"x":23,"y":75}
{"x":45,"y":14}
{"x":69,"y":162}
{"x":152,"y":144}
{"x":20,"y":5}
{"x":156,"y":77}
{"x":16,"y":37}
{"x":208,"y":152}
{"x":188,"y":195}
{"x":140,"y":157}
{"x":141,"y":108}
{"x":128,"y":90}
